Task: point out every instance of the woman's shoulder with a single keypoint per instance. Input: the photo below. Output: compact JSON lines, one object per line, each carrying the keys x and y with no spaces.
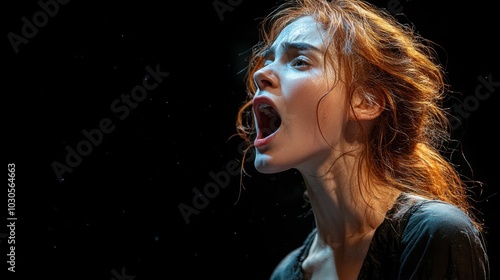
{"x":436,"y":216}
{"x":440,"y":239}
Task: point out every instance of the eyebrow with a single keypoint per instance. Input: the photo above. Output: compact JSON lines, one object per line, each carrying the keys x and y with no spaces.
{"x":287,"y":46}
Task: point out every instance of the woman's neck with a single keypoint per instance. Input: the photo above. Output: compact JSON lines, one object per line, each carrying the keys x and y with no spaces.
{"x":347,"y":216}
{"x":346,"y":211}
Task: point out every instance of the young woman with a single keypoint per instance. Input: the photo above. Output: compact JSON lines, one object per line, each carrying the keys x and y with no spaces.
{"x":350,"y":98}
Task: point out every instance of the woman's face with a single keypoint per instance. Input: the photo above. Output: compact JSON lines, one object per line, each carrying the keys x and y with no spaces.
{"x":288,"y":106}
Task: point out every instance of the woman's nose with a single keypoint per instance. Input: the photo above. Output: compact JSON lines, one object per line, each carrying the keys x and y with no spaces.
{"x":265,"y":77}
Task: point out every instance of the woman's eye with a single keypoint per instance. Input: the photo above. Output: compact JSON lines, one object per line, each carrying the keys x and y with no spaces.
{"x":300,"y":62}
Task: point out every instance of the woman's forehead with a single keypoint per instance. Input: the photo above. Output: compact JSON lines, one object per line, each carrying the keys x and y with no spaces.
{"x":305,"y":29}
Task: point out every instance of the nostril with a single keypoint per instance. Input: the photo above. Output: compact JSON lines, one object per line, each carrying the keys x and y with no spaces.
{"x":265,"y":83}
{"x":264,"y":78}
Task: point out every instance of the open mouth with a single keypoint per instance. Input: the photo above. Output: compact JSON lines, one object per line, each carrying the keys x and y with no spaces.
{"x":268,"y":120}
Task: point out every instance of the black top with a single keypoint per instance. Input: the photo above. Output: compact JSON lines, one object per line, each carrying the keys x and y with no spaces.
{"x":419,"y":239}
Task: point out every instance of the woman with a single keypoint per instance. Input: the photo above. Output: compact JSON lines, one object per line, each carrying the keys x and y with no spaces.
{"x":341,"y":92}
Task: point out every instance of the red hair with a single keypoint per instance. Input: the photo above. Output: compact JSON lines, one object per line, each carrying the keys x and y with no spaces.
{"x":391,"y":65}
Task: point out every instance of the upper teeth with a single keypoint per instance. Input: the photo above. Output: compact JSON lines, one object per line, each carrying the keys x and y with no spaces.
{"x":266,"y":109}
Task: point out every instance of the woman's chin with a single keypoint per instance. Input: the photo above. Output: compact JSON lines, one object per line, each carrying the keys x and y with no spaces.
{"x":264,"y":166}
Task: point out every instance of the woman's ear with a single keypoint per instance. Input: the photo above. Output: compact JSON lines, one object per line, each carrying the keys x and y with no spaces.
{"x":366,"y":107}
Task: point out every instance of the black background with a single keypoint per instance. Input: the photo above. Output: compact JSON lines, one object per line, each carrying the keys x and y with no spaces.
{"x":116,"y":215}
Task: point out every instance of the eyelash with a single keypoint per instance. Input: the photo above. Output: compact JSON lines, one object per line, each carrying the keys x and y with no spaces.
{"x":304,"y":61}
